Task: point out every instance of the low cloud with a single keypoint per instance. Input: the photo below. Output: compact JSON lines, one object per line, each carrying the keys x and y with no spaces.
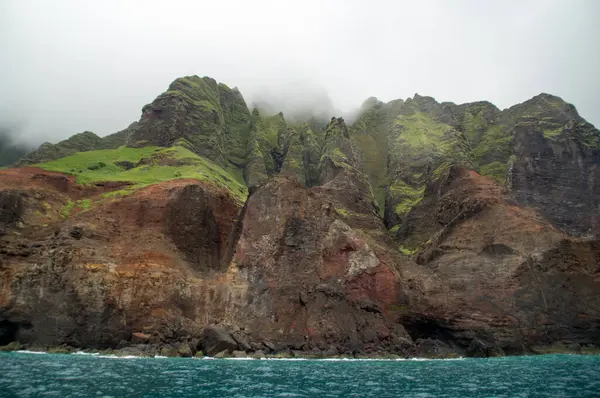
{"x":70,"y":66}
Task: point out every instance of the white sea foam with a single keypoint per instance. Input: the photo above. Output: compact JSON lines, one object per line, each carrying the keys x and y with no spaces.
{"x":98,"y":355}
{"x":112,"y":356}
{"x":91,"y":354}
{"x":432,"y":359}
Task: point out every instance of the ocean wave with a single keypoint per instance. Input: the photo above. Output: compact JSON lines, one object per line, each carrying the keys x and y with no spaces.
{"x":91,"y":354}
{"x":431,"y":359}
{"x":117,"y":356}
{"x":112,"y":356}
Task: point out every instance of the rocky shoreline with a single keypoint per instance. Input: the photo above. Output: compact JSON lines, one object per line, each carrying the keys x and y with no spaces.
{"x":171,"y":351}
{"x":219,"y":343}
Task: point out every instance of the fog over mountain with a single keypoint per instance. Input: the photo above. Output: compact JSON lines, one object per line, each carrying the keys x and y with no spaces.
{"x":69,"y":66}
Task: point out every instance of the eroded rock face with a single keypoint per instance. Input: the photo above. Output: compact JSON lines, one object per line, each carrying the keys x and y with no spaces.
{"x":541,"y":150}
{"x":314,"y":281}
{"x":497,"y":270}
{"x":11,"y":208}
{"x":559,"y":175}
{"x":292,"y":272}
{"x":135,"y":269}
{"x":193,"y":228}
{"x":128,"y":266}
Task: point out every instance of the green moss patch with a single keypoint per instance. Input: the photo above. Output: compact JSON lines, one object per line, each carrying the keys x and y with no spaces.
{"x":551,"y":133}
{"x":407,"y":195}
{"x":65,"y":211}
{"x":496,"y":171}
{"x":151,"y":167}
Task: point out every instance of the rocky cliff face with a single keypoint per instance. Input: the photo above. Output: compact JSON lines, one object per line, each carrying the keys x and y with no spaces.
{"x":541,"y":150}
{"x":420,"y":229}
{"x":209,"y":117}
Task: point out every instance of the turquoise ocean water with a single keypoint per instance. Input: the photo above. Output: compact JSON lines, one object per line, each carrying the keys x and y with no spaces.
{"x":48,"y":375}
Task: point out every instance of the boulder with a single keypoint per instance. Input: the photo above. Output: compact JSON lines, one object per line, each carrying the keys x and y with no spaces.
{"x":482,"y":349}
{"x":217,"y":339}
{"x":241,"y":341}
{"x":433,"y":348}
{"x":185,"y":351}
{"x":61,"y":350}
{"x":239,"y":354}
{"x":222,"y":354}
{"x":331,"y":352}
{"x":477,"y":349}
{"x":270,"y":346}
{"x":169,"y":351}
{"x":14,"y":346}
{"x":130,"y":351}
{"x":258,"y":354}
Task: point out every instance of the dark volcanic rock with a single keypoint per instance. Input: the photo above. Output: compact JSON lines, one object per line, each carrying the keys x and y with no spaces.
{"x":432,"y":348}
{"x":559,"y":174}
{"x":481,"y":349}
{"x":193,"y":211}
{"x":11,"y":207}
{"x":216,"y":340}
{"x":185,"y":351}
{"x":239,"y":354}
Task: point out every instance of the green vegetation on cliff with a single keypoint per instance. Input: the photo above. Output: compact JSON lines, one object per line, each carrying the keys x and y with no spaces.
{"x":274,"y":147}
{"x":370,"y":135}
{"x":81,"y":142}
{"x":210,"y":116}
{"x":399,"y":150}
{"x":145,"y":166}
{"x":421,"y":148}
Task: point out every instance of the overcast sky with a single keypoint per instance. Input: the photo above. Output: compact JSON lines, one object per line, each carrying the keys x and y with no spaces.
{"x":72,"y":65}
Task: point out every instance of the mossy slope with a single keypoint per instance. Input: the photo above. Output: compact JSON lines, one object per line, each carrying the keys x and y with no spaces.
{"x":144,"y":166}
{"x":82,"y":142}
{"x":341,"y":173}
{"x":212,"y":118}
{"x":85,"y":141}
{"x":370,"y":135}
